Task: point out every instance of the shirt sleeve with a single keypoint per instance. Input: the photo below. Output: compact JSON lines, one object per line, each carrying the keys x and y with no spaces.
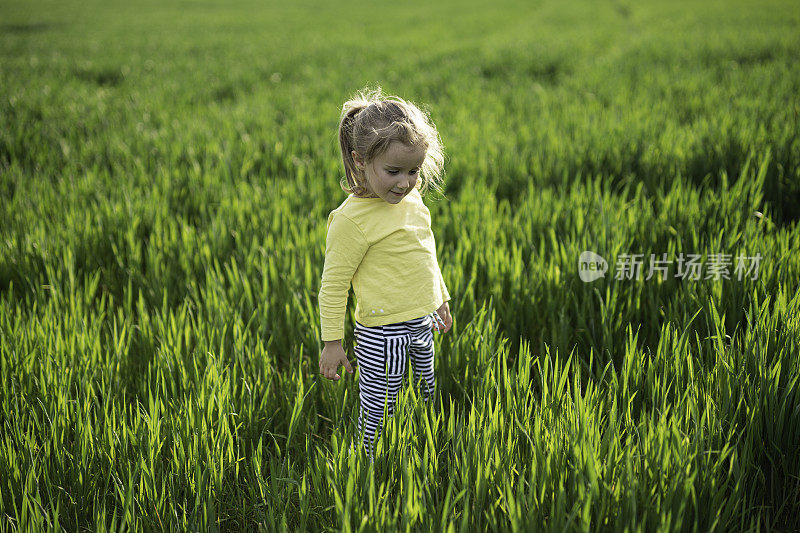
{"x":445,"y":294}
{"x":345,"y":247}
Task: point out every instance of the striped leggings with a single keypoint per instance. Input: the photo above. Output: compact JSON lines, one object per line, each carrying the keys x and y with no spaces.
{"x":382,"y":352}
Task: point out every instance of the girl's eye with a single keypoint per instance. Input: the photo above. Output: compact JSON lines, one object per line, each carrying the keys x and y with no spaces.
{"x":393,"y":172}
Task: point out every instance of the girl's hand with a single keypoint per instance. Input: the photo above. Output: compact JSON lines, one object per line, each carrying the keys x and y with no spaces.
{"x":446,"y":319}
{"x":332,"y":356}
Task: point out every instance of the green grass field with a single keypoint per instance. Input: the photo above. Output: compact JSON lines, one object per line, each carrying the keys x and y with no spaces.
{"x":166,"y":170}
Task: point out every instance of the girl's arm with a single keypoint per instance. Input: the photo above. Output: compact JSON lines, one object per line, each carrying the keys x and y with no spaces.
{"x":345,"y":247}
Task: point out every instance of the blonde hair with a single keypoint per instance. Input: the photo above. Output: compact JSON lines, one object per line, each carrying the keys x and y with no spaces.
{"x":370,"y":122}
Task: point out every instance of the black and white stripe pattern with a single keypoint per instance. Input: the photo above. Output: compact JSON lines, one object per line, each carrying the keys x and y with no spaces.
{"x":381,"y":353}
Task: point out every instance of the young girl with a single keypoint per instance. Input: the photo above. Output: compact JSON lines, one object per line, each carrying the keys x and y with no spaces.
{"x":380,"y":240}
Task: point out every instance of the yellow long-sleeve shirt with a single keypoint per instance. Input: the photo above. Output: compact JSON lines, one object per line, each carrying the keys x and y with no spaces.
{"x":388,"y":253}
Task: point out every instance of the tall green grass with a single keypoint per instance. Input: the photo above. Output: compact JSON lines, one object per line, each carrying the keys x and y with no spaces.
{"x":166,"y":170}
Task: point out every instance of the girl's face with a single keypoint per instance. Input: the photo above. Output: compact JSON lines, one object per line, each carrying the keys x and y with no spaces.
{"x":393,"y":174}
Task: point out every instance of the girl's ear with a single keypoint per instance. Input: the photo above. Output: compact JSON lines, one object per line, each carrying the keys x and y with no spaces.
{"x":357,"y":160}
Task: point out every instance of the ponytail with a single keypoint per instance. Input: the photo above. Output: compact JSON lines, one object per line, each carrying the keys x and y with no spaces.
{"x":352,"y":174}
